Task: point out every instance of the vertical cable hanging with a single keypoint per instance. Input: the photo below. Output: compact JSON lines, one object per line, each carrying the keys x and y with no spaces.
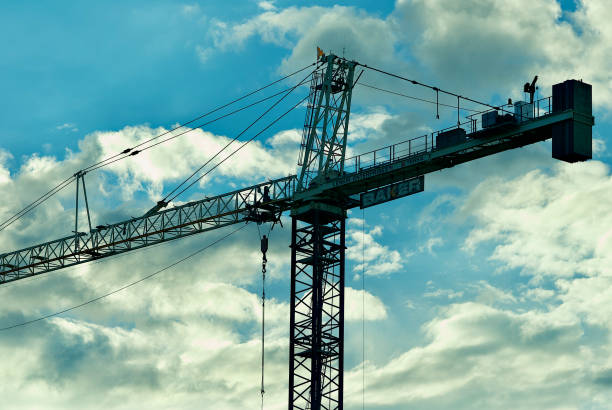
{"x":264,"y":249}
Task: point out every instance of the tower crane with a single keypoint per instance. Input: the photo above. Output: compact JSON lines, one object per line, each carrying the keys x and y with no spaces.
{"x":318,"y":197}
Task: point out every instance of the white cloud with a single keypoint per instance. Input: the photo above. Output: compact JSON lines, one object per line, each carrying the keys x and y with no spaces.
{"x":497,"y":44}
{"x":491,"y":358}
{"x":148,"y":172}
{"x":430,"y":244}
{"x":502,"y":45}
{"x":266,"y":5}
{"x":190,"y":9}
{"x":446,"y":293}
{"x":599,"y":147}
{"x":542,"y":357}
{"x":497,"y":349}
{"x":5,"y":174}
{"x":375,"y":259}
{"x":164,"y":343}
{"x":204,"y":53}
{"x":490,"y":295}
{"x":356,"y":299}
{"x":67,"y":126}
{"x":171,"y":343}
{"x":179,"y":158}
{"x":301,"y":29}
{"x":537,"y":217}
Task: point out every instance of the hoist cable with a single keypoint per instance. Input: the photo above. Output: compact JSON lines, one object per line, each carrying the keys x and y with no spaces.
{"x":128,"y":150}
{"x":263,"y":322}
{"x":264,"y":249}
{"x":238,"y":149}
{"x":231,"y":142}
{"x":191,"y":255}
{"x":37,"y":202}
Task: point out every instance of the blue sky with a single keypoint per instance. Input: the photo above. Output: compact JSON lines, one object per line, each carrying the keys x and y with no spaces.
{"x":489,"y":290}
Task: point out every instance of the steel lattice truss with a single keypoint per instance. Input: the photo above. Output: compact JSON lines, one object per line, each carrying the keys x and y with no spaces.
{"x":173,"y":223}
{"x":317,"y":313}
{"x":325,"y":131}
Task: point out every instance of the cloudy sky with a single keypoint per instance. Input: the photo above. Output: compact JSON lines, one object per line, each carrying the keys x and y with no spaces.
{"x":491,"y":289}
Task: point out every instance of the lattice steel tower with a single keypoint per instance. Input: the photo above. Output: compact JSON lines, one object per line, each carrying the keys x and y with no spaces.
{"x":317,"y":248}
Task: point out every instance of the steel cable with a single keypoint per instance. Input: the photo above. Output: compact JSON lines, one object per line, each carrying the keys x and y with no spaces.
{"x":129,"y":151}
{"x":166,"y":200}
{"x":36,"y":203}
{"x":239,"y":148}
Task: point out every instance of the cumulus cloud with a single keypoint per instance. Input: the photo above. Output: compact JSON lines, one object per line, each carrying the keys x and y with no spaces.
{"x":506,"y":44}
{"x":266,"y":5}
{"x":175,"y":160}
{"x":146,"y":173}
{"x":67,"y":126}
{"x":375,"y":259}
{"x":495,"y":44}
{"x":360,"y":304}
{"x":490,"y":358}
{"x":537,"y":217}
{"x":491,"y":349}
{"x":174,"y":338}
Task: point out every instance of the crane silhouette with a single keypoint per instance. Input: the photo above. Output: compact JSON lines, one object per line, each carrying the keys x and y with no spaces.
{"x":317,"y":199}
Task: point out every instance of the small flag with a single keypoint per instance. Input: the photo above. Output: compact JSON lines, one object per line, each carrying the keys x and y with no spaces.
{"x":320,"y":53}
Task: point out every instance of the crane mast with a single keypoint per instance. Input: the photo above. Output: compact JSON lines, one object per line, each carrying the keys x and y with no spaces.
{"x":316,"y":340}
{"x":327,"y":185}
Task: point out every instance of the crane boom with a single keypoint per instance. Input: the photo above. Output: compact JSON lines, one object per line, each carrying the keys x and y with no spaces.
{"x":184,"y":220}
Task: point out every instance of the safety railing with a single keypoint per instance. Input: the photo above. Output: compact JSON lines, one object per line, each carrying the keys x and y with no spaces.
{"x":427,"y":142}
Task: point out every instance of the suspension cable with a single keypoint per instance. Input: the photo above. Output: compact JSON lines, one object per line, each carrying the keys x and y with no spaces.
{"x":166,"y":200}
{"x":194,"y":128}
{"x":430,"y":87}
{"x":37,"y":202}
{"x":416,"y":98}
{"x":149,"y":276}
{"x":130,"y":149}
{"x":238,"y":149}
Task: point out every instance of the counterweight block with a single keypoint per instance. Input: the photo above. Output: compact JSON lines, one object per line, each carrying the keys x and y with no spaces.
{"x":572,"y":139}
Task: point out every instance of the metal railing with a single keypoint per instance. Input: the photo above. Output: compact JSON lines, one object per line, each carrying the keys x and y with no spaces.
{"x":427,"y":142}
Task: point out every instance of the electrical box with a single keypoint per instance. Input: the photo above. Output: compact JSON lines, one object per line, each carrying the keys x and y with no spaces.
{"x":572,"y":139}
{"x":523,"y":111}
{"x":449,"y":138}
{"x":489,"y":119}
